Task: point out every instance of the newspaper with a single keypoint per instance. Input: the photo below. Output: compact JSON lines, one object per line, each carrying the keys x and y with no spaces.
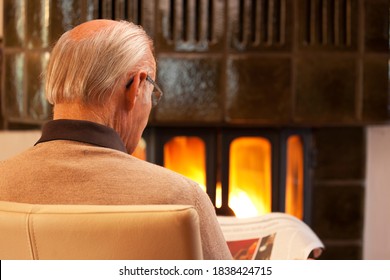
{"x":273,"y":236}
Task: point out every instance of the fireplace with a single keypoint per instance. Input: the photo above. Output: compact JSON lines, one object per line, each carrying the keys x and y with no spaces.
{"x":239,"y":74}
{"x":245,"y":171}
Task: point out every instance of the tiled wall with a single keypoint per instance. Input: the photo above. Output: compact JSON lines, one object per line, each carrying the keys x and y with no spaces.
{"x":268,"y":62}
{"x":339,"y":189}
{"x":311,"y":63}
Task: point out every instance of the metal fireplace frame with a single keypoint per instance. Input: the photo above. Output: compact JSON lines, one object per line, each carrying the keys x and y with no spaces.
{"x":217,"y":143}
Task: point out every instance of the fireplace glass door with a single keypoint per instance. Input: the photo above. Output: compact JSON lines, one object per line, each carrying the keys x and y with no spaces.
{"x":187,"y":156}
{"x":294,"y":176}
{"x":250,"y":176}
{"x":246,"y":173}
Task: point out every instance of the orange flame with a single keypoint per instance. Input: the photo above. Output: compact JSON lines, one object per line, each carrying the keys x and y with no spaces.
{"x":250,"y":172}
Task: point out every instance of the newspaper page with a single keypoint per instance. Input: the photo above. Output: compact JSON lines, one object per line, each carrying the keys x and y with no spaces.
{"x":273,"y":236}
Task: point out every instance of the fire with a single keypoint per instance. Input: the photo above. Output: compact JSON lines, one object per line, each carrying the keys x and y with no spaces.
{"x":294,"y":182}
{"x":250,"y":176}
{"x":186,"y":155}
{"x":249,"y":172}
{"x":240,"y":203}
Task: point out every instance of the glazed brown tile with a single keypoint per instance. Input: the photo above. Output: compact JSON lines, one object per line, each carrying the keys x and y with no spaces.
{"x":376,"y":90}
{"x":326,"y":89}
{"x":376,"y":26}
{"x":258,"y":89}
{"x":14,"y":28}
{"x":340,"y":153}
{"x":38,"y":107}
{"x":338,"y":212}
{"x":191,"y":90}
{"x":14,"y":80}
{"x":191,"y":26}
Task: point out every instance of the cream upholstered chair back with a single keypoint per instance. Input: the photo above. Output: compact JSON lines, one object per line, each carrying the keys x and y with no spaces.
{"x":73,"y":232}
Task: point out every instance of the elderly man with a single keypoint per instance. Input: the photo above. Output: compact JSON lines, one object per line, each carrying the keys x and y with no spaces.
{"x":100,"y":79}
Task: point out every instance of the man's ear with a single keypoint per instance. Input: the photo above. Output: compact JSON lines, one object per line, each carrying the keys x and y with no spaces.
{"x":133,"y":91}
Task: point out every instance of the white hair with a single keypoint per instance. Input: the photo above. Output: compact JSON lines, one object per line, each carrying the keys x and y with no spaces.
{"x":89,"y":69}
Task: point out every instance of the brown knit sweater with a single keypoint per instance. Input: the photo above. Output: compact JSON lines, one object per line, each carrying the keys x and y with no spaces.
{"x":70,"y":172}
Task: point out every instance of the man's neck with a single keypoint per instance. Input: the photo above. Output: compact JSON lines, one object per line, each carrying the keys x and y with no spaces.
{"x":75,"y":111}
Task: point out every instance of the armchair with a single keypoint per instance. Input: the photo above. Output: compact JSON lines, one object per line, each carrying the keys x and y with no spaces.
{"x":117,"y":232}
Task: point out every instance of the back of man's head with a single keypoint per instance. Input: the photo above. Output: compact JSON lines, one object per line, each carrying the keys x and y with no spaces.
{"x":88,"y":62}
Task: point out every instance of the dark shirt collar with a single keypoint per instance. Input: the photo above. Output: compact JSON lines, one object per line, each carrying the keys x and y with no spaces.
{"x":82,"y":131}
